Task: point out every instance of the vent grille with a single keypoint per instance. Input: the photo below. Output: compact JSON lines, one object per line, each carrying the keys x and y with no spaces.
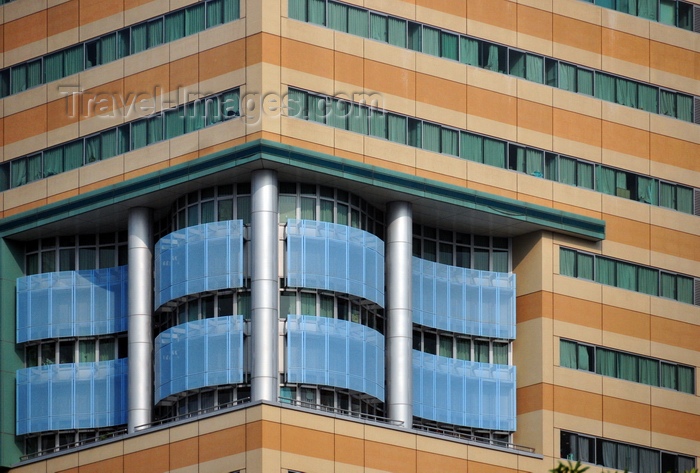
{"x":696,"y":106}
{"x":696,"y":202}
{"x":696,"y":18}
{"x":696,"y":291}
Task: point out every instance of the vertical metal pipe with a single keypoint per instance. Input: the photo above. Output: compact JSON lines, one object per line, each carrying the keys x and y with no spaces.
{"x":140,"y":246}
{"x":264,"y":287}
{"x":399,"y":334}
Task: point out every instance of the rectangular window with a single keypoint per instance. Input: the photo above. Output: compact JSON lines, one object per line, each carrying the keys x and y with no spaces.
{"x":297,"y":10}
{"x":463,"y":349}
{"x":66,"y":352}
{"x":86,"y":351}
{"x":175,"y":25}
{"x":338,"y":16}
{"x":431,"y":41}
{"x":481,"y":351}
{"x":415,"y":41}
{"x":4,"y":83}
{"x":398,"y":32}
{"x":379,"y":27}
{"x":194,"y":19}
{"x":445,"y":346}
{"x":358,"y":22}
{"x":449,"y":45}
{"x":430,"y":343}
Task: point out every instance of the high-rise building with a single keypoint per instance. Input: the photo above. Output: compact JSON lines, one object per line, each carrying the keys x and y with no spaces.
{"x":357,"y":235}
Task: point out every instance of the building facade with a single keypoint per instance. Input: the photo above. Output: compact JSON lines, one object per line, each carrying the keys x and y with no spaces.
{"x":315,"y":235}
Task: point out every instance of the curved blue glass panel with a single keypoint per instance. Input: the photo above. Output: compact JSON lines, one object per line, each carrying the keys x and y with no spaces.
{"x":335,"y":352}
{"x":463,"y":300}
{"x":72,"y":304}
{"x":335,"y":257}
{"x":479,"y":395}
{"x":72,"y":396}
{"x":206,"y":352}
{"x":196,"y":259}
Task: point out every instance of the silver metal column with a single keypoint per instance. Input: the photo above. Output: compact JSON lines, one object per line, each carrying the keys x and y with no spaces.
{"x":140,"y":317}
{"x":399,"y":332}
{"x":264,"y":287}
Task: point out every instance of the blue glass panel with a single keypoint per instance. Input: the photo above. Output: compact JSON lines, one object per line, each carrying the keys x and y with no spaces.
{"x":72,"y":396}
{"x":206,"y":352}
{"x":463,"y":300}
{"x":467,"y":393}
{"x":72,"y":303}
{"x":333,"y":352}
{"x":196,"y":259}
{"x":324,"y":255}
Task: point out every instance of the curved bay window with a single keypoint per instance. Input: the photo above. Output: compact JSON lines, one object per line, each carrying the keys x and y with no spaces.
{"x":296,"y":201}
{"x":321,"y":304}
{"x":71,"y":253}
{"x":464,"y":250}
{"x":213,"y":204}
{"x":201,"y":401}
{"x":49,"y":442}
{"x":81,"y":350}
{"x":328,"y":398}
{"x":326,"y":204}
{"x":461,"y":347}
{"x":202,"y":306}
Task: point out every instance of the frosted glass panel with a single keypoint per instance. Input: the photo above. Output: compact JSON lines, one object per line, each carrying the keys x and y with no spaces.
{"x":72,"y":303}
{"x":196,"y":259}
{"x":335,"y":257}
{"x":478,"y":395}
{"x":72,"y":396}
{"x":334,"y":352}
{"x":463,"y":300}
{"x":206,"y":352}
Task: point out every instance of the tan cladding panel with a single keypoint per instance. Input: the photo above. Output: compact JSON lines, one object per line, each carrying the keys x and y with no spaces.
{"x":537,"y":397}
{"x":153,"y":460}
{"x":618,"y":320}
{"x":655,"y":238}
{"x":445,"y":6}
{"x":169,"y":77}
{"x":534,"y":306}
{"x":626,"y":413}
{"x":625,"y":46}
{"x":499,"y":13}
{"x":535,"y":22}
{"x":578,"y":403}
{"x":26,"y":30}
{"x":578,"y":311}
{"x":64,"y":17}
{"x":306,"y":442}
{"x":675,"y":333}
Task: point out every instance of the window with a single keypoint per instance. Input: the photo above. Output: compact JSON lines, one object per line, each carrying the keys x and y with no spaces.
{"x":459,"y":347}
{"x":626,"y":275}
{"x":69,"y":253}
{"x":627,"y":366}
{"x":74,"y":351}
{"x":621,"y":456}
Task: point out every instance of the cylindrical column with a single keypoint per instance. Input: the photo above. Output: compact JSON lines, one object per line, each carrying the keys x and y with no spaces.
{"x":264,"y":286}
{"x":399,"y":331}
{"x":140,"y":317}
